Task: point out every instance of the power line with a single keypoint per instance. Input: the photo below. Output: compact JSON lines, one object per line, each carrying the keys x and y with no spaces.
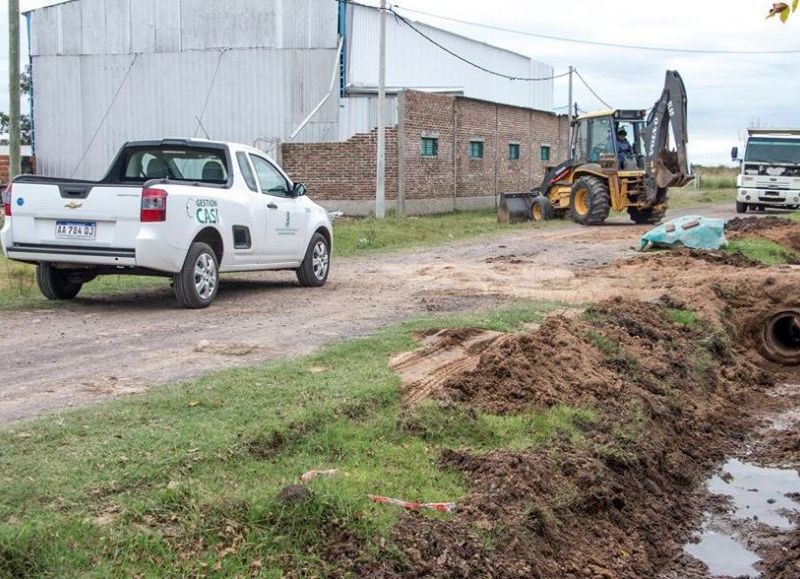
{"x":105,"y":116}
{"x":208,"y":94}
{"x":466,"y":60}
{"x":591,"y":42}
{"x":591,"y":90}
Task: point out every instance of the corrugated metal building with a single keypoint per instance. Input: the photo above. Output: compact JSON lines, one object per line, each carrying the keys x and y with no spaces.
{"x":251,"y":71}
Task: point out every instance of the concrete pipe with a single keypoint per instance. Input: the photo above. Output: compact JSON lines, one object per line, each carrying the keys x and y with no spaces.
{"x":781,"y":338}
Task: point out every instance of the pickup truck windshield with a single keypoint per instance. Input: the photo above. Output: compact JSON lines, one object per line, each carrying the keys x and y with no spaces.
{"x":176,"y":164}
{"x":773,"y":151}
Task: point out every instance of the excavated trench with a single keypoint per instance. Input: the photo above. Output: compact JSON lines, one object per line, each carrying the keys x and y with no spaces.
{"x":674,"y":397}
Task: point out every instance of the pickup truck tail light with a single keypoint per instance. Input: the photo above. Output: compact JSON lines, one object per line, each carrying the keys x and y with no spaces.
{"x":7,"y":201}
{"x":154,"y":205}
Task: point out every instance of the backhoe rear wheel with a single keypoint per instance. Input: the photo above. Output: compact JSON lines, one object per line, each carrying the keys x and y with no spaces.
{"x":589,"y":202}
{"x":542,"y":209}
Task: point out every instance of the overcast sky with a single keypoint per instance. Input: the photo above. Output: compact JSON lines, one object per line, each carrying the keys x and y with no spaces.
{"x":726,"y":93}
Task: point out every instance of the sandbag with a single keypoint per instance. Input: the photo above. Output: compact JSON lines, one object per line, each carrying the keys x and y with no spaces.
{"x":691,"y":231}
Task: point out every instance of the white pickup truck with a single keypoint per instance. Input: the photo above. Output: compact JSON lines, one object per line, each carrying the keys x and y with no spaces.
{"x":187,"y":209}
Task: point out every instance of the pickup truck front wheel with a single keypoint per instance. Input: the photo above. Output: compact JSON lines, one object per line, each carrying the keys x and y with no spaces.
{"x":197,"y":283}
{"x":55,"y":284}
{"x":317,"y":263}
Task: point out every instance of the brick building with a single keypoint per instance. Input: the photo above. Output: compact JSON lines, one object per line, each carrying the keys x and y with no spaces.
{"x":445,"y":153}
{"x":26,"y":161}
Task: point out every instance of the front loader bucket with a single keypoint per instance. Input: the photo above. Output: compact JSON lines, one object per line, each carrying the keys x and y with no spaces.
{"x":514,"y":207}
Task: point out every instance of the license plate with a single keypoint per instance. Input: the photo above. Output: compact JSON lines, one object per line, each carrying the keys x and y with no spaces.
{"x":83,"y":230}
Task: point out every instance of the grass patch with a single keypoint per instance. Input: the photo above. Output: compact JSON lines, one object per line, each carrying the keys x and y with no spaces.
{"x":689,"y":197}
{"x":18,"y":286}
{"x":763,"y":250}
{"x":794,"y":217}
{"x":184,"y":480}
{"x":683,"y":317}
{"x":353,"y":235}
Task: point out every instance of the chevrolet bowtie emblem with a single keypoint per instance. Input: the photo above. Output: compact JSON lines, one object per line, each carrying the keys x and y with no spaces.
{"x":73,"y":205}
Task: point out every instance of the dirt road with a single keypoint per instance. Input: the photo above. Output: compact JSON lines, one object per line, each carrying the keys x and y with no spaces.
{"x":95,"y":349}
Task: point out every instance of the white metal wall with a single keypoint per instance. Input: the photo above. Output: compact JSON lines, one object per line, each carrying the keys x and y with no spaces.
{"x":360,"y":115}
{"x":412,"y":61}
{"x":275,"y":62}
{"x":276,"y":67}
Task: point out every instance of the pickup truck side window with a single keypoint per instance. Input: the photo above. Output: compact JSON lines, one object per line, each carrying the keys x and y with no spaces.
{"x":272,"y":182}
{"x":247,"y":172}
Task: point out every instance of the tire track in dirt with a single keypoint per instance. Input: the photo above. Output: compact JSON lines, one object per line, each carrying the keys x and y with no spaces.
{"x":98,"y":348}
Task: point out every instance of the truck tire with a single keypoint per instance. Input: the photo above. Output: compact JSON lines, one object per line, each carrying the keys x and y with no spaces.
{"x":542,"y":209}
{"x":55,"y":283}
{"x":313,"y":272}
{"x":649,"y":216}
{"x":197,"y":283}
{"x":741,"y":207}
{"x":589,"y":201}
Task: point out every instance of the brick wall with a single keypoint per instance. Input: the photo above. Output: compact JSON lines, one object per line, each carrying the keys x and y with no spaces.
{"x":346,"y":171}
{"x":28,"y":166}
{"x":342,"y":171}
{"x":427,"y":115}
{"x":496,"y":126}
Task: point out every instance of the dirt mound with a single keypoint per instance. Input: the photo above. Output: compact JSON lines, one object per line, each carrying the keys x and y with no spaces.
{"x":782,"y":231}
{"x":552,"y":365}
{"x":567,"y":360}
{"x":444,"y":353}
{"x":667,"y":391}
{"x":753,"y":224}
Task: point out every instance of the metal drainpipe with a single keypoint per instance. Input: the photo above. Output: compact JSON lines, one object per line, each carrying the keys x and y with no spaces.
{"x":455,"y":151}
{"x":496,"y":152}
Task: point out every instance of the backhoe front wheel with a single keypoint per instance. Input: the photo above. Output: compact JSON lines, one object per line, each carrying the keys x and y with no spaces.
{"x":542,"y":209}
{"x":589,"y":202}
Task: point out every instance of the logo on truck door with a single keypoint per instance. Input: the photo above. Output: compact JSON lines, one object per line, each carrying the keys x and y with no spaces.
{"x":287,"y":229}
{"x":204,"y":211}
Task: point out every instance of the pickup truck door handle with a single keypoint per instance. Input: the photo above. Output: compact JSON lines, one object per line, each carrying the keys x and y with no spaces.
{"x":272,"y":205}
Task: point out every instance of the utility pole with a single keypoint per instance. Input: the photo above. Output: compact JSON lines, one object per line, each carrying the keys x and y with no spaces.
{"x":569,"y":110}
{"x":380,"y":189}
{"x":13,"y":88}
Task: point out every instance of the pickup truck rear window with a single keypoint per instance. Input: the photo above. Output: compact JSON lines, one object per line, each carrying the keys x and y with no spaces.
{"x":176,"y":164}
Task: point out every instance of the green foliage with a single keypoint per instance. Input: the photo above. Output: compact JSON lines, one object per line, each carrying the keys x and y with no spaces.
{"x":783,"y":10}
{"x":18,"y":286}
{"x":354,"y":235}
{"x":184,"y":480}
{"x":763,"y":250}
{"x":683,"y":317}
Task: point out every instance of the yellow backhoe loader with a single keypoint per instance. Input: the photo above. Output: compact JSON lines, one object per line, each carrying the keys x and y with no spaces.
{"x":607,"y":171}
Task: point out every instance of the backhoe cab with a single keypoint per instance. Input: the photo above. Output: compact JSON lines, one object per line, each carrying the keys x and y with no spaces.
{"x":621,"y":160}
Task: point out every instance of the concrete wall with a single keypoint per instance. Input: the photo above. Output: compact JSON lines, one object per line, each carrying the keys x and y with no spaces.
{"x":342,"y":175}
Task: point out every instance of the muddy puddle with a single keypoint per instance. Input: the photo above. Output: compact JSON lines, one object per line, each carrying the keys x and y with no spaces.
{"x":755,"y":495}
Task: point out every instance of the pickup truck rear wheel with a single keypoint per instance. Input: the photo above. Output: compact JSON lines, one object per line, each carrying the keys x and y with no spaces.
{"x":197,"y":283}
{"x":313,"y":272}
{"x":55,"y":284}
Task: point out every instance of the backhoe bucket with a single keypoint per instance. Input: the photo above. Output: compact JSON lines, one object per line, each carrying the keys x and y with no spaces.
{"x":668,"y":173}
{"x":514,"y":207}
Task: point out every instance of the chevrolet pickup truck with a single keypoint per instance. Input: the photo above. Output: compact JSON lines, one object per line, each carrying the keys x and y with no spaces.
{"x":186,"y":209}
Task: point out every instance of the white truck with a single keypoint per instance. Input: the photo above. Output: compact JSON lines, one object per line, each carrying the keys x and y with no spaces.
{"x":770,"y":175}
{"x":183,"y":208}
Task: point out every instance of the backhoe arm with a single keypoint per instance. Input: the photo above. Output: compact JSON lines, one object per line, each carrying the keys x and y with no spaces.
{"x":664,"y":167}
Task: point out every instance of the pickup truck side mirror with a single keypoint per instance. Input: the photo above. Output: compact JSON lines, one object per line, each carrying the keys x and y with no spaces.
{"x":299,"y":190}
{"x":735,"y":154}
